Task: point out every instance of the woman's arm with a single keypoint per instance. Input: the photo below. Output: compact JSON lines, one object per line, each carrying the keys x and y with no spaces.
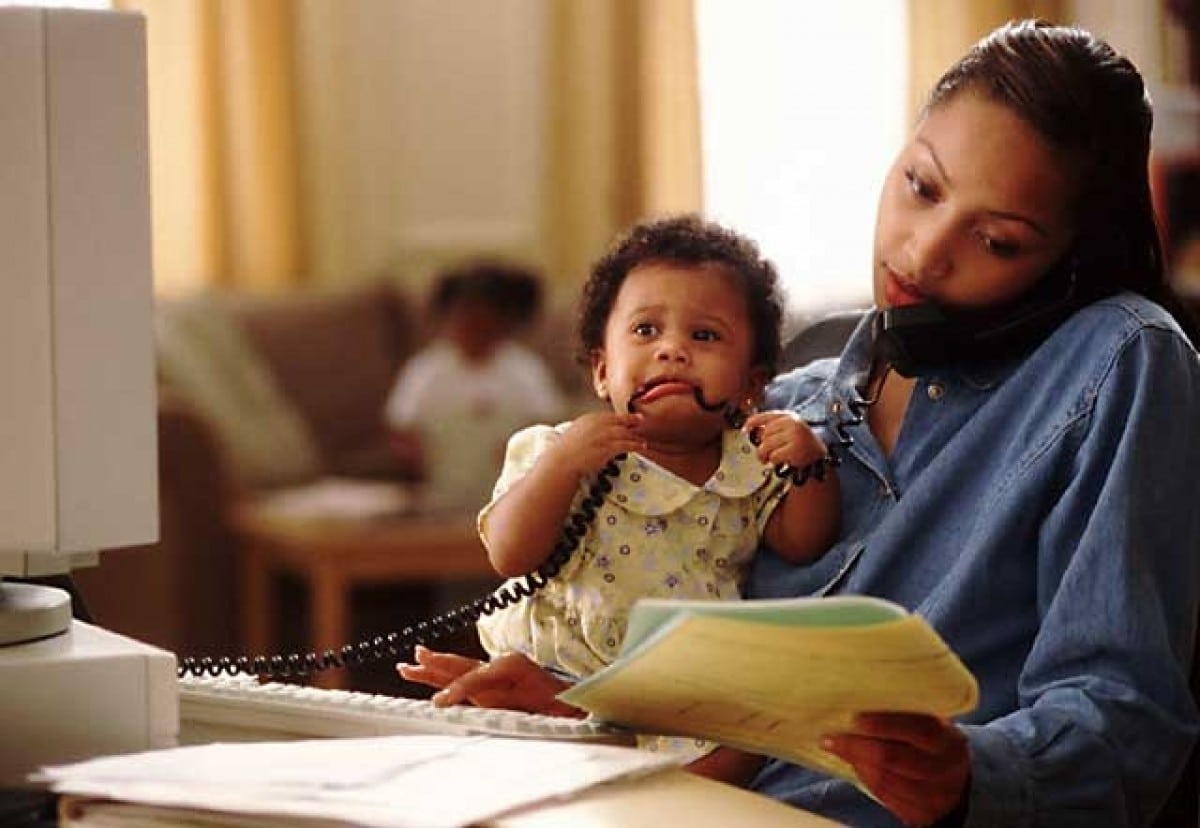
{"x":521,"y":527}
{"x":1104,"y":693}
{"x":1097,"y":720}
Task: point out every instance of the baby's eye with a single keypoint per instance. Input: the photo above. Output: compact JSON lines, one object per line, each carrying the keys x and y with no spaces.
{"x":705,"y":335}
{"x":645,"y":329}
{"x":918,"y":186}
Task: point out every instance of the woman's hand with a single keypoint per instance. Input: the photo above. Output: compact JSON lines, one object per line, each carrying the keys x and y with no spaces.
{"x":917,"y":766}
{"x":512,"y":682}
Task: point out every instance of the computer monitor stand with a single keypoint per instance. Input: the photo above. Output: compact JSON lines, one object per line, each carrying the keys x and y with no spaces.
{"x":29,"y":612}
{"x":82,"y":693}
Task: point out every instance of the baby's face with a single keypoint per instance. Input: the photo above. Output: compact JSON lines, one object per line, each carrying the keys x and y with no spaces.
{"x":675,"y":329}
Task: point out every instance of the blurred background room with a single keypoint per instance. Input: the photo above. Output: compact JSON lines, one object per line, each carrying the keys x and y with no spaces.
{"x":318,"y":165}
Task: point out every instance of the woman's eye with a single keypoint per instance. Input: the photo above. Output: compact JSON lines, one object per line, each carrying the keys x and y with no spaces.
{"x":705,"y":335}
{"x":1000,"y":248}
{"x":918,"y":186}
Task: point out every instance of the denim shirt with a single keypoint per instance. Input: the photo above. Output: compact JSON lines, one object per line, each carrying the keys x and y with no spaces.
{"x":1043,"y":515}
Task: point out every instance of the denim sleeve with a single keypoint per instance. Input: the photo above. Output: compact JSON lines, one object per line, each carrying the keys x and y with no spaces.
{"x":787,"y":390}
{"x":1103,"y":717}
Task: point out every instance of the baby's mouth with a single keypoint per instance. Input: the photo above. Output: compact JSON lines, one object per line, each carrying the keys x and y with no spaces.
{"x":660,"y":387}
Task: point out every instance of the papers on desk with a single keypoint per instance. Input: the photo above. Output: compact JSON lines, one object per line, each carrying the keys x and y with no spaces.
{"x":427,"y":781}
{"x":773,"y":676}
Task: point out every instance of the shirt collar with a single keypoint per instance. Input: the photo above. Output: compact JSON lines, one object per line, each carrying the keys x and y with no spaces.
{"x":855,"y":365}
{"x":646,"y":488}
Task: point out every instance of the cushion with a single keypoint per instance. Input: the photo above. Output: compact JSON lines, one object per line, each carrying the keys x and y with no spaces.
{"x":205,"y":357}
{"x":334,"y":355}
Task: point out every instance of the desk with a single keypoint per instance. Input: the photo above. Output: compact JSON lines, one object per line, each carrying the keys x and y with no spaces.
{"x":331,"y":555}
{"x":669,"y":798}
{"x":672,"y":797}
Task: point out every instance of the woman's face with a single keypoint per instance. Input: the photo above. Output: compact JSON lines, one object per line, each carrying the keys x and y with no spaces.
{"x":973,"y":211}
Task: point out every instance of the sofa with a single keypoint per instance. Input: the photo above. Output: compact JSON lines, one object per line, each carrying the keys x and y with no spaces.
{"x":257,"y":394}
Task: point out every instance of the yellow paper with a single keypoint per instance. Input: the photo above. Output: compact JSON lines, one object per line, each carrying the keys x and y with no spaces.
{"x":775,"y":688}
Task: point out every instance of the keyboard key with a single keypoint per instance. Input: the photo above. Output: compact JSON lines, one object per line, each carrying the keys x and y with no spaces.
{"x":242,"y":708}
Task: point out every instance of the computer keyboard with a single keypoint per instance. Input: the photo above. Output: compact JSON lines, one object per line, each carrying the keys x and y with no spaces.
{"x":241,"y":708}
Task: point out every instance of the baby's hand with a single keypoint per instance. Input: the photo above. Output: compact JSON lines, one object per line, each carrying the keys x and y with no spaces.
{"x":594,"y":439}
{"x":783,"y":438}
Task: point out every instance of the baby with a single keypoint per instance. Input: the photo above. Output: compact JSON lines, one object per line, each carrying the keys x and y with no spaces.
{"x":665,"y":496}
{"x":680,"y":326}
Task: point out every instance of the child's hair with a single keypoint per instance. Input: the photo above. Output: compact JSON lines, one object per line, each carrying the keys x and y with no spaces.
{"x":686,"y":240}
{"x":513,"y":290}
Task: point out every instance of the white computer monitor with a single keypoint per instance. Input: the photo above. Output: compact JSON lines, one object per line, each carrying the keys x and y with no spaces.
{"x":78,"y":468}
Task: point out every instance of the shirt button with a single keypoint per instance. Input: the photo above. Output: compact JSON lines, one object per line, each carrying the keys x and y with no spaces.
{"x":935,"y":391}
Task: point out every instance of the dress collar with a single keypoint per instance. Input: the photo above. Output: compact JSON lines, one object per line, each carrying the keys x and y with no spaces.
{"x":646,"y":488}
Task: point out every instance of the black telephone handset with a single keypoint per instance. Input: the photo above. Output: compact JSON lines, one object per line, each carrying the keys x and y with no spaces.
{"x":916,"y":338}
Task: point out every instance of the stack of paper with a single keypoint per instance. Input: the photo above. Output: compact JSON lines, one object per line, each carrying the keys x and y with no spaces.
{"x":426,"y":781}
{"x":774,"y":676}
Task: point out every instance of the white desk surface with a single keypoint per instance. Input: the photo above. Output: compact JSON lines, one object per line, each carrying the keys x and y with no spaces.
{"x":673,"y":797}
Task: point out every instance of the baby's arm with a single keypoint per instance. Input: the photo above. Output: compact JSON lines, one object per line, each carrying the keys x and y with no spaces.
{"x":523,"y":525}
{"x":806,"y":522}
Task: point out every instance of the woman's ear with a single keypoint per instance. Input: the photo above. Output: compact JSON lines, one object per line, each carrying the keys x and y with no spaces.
{"x":599,"y":373}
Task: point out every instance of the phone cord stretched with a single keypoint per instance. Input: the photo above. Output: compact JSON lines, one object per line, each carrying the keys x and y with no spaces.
{"x":393,"y":644}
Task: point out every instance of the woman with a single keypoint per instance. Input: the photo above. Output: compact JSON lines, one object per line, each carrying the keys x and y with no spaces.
{"x":1027,"y":467}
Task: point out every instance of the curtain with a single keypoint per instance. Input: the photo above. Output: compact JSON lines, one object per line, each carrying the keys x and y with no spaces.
{"x":224,"y":168}
{"x":624,"y":122}
{"x":940,"y":31}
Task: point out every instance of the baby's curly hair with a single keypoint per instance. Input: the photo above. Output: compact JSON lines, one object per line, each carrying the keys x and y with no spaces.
{"x":688,"y":240}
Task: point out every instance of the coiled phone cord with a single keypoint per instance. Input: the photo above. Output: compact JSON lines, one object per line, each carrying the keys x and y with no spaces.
{"x":393,"y":644}
{"x":423,"y":632}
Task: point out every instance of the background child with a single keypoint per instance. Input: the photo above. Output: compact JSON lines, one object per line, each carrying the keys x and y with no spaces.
{"x":455,"y":403}
{"x":680,"y":323}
